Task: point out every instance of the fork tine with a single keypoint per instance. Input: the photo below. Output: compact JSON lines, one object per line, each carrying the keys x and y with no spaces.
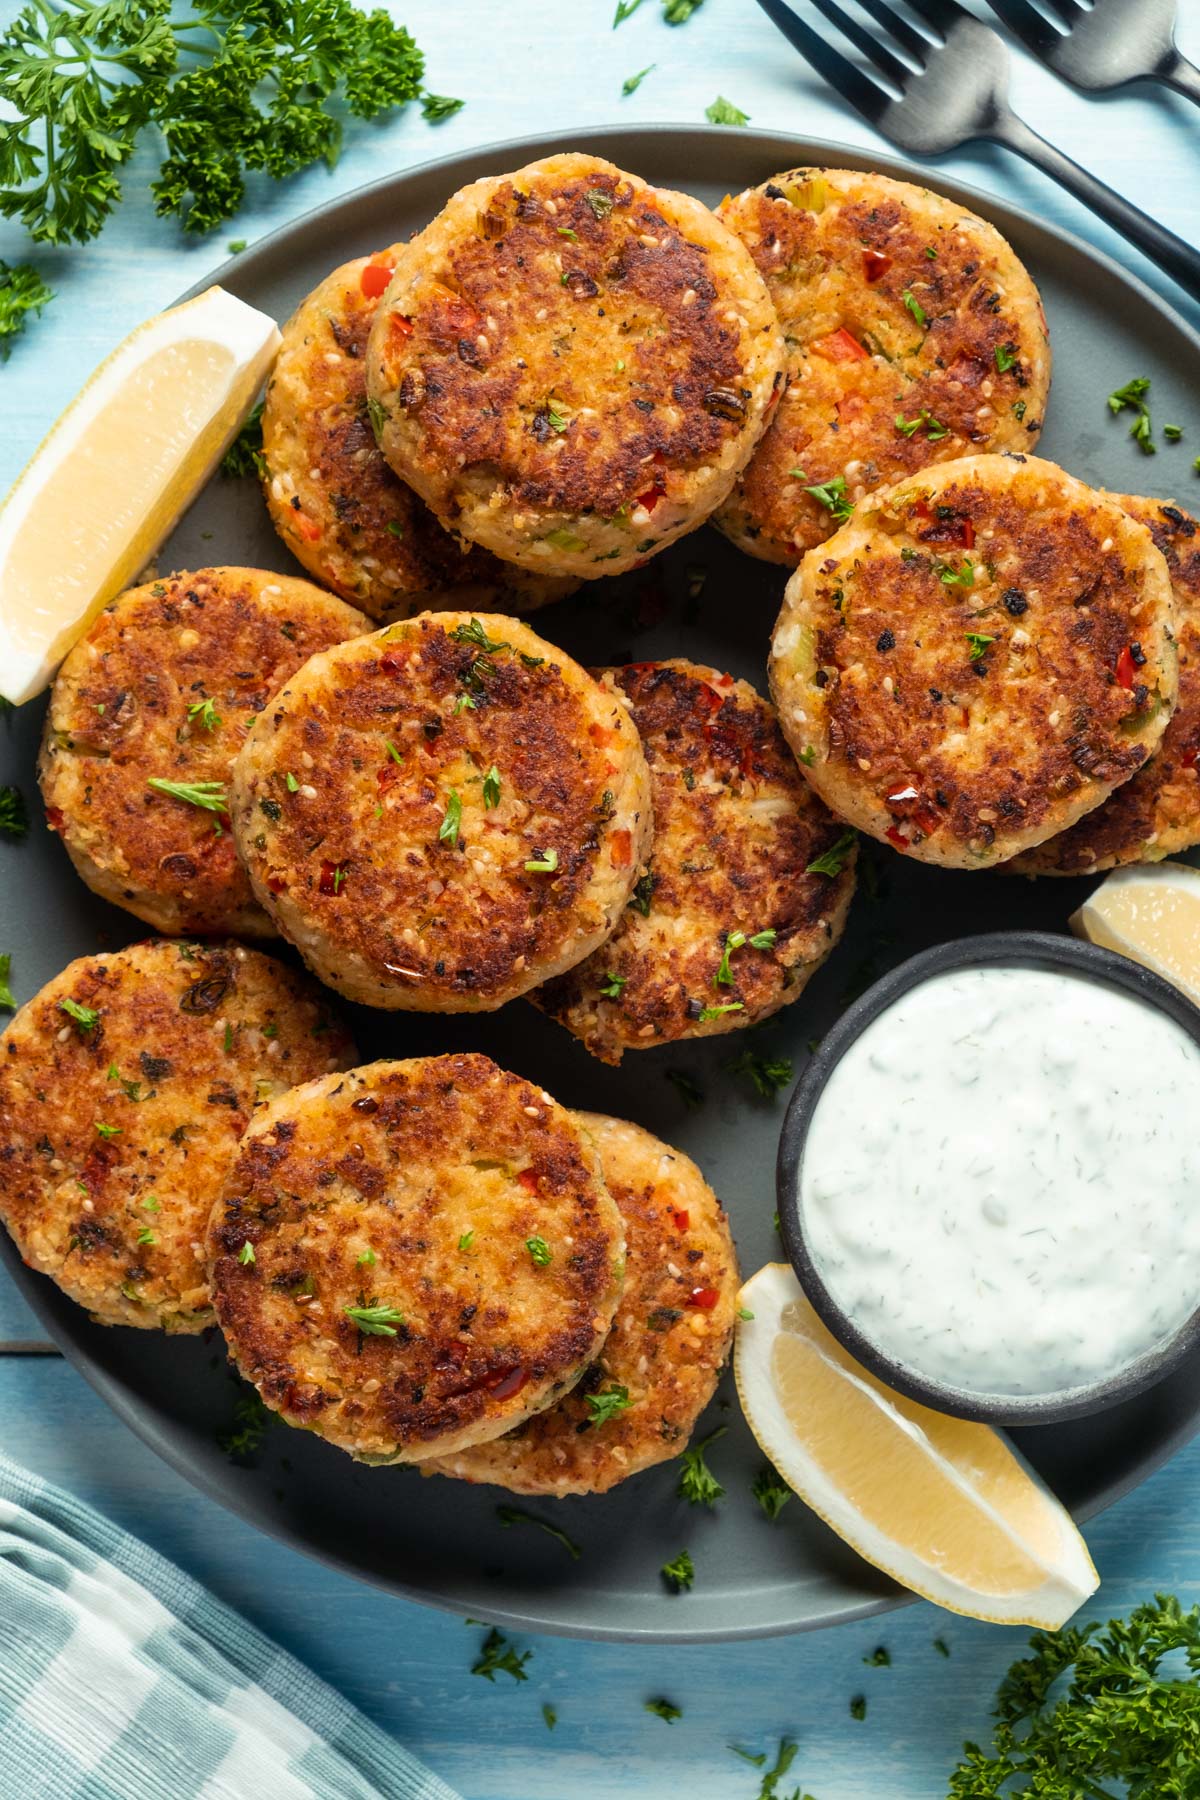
{"x":910,"y":41}
{"x":888,"y":65}
{"x":863,"y":94}
{"x":941,"y":14}
{"x":1026,"y":23}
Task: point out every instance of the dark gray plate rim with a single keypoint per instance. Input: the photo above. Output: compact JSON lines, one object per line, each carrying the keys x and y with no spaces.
{"x":998,"y":949}
{"x":748,"y":156}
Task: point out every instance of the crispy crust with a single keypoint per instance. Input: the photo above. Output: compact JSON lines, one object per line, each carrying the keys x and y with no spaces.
{"x":441,"y":1169}
{"x":838,"y":418}
{"x":735,"y":830}
{"x":332,"y":497}
{"x":966,"y":750}
{"x":572,"y":366}
{"x":119,"y":715}
{"x":664,"y":1349}
{"x":416,"y":920}
{"x":188,"y":1039}
{"x":1157,"y":811}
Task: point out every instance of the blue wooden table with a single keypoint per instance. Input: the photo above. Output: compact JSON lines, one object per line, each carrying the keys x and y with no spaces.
{"x":530,"y":66}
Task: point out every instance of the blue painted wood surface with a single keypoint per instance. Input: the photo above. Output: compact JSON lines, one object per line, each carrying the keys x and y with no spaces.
{"x":539,"y":65}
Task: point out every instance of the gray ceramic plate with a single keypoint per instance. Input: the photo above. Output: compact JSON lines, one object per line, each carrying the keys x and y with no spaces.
{"x":441,"y":1541}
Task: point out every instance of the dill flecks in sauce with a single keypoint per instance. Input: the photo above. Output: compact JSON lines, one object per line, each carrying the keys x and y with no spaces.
{"x":999,"y":1182}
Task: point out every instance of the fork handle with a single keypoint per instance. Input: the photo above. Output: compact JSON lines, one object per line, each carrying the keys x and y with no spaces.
{"x":1181,"y":75}
{"x":1171,"y":253}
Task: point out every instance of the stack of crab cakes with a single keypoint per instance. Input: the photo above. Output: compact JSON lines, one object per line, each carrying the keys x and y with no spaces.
{"x":443,"y":815}
{"x":146,"y":716}
{"x":572,"y":367}
{"x":914,"y":336}
{"x":333,"y":499}
{"x":980,"y":657}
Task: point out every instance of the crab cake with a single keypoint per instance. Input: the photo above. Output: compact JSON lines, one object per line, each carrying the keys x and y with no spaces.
{"x":125,"y":1085}
{"x":1157,"y":812}
{"x":433,"y":1256}
{"x":444,"y":814}
{"x":727,"y":923}
{"x":667,"y":1345}
{"x":572,"y":367}
{"x":981,"y":656}
{"x":332,"y":497}
{"x":914,"y":336}
{"x":164,"y":688}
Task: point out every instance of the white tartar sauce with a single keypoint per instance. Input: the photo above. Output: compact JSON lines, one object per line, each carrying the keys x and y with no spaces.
{"x":1001,"y":1181}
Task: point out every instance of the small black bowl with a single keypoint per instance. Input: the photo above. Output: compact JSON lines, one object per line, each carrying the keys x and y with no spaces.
{"x":1014,"y":949}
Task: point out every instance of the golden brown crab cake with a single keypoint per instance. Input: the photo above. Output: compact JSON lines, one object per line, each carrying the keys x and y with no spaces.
{"x":1156,"y":813}
{"x":125,"y":1087}
{"x":958,"y":668}
{"x":433,"y":1256}
{"x":444,"y":814}
{"x":669,"y":1340}
{"x":729,"y":919}
{"x":914,"y":335}
{"x":164,"y":687}
{"x":572,"y":367}
{"x":332,"y":497}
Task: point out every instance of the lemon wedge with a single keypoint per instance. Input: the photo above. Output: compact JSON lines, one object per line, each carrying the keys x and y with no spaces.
{"x":113,"y":474}
{"x":1149,"y":912}
{"x":944,"y":1506}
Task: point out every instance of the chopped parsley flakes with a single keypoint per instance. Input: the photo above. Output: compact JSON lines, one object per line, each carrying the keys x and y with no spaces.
{"x":829,"y":494}
{"x":697,"y":1483}
{"x":767,"y":1075}
{"x":86,"y":1017}
{"x":14,"y":820}
{"x":607,"y":1403}
{"x":8,"y":999}
{"x":724,"y":112}
{"x":833,"y":860}
{"x":512,"y":1515}
{"x":375,"y":1320}
{"x":663,"y":1709}
{"x":498,"y":1657}
{"x":1133,"y":396}
{"x":770,"y":1491}
{"x":679,"y":1574}
{"x":539,"y":1252}
{"x":451,"y":819}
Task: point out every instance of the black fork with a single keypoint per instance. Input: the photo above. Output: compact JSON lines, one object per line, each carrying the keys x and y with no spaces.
{"x":947,"y":85}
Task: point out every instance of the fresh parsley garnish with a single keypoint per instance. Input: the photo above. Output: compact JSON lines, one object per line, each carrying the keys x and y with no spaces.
{"x":915,"y":308}
{"x":689,"y":1091}
{"x":14,"y":820}
{"x":833,"y":860}
{"x":613,"y":986}
{"x":86,"y":1017}
{"x":858,"y":1706}
{"x":498,"y":1657}
{"x":767,"y":1075}
{"x":963,"y":577}
{"x":734,"y":940}
{"x":679,"y":1574}
{"x":708,"y":1013}
{"x":770,"y":1491}
{"x":210,"y":795}
{"x":436,"y":107}
{"x":549,"y":1715}
{"x":934,"y":430}
{"x":543,"y":862}
{"x":1172,"y":433}
{"x":466,"y":1241}
{"x":512,"y":1515}
{"x":625,"y":10}
{"x":697,"y":1483}
{"x":205,"y":714}
{"x":451,"y":819}
{"x":1005,"y":357}
{"x":246,"y":1254}
{"x":643,"y":893}
{"x":251,"y":1416}
{"x":608,"y":1403}
{"x":600,"y":202}
{"x":376,"y":1320}
{"x":491,"y":788}
{"x":475,"y":634}
{"x":632,"y":83}
{"x":678,"y":12}
{"x":107,"y":1131}
{"x":724,"y":112}
{"x":880,"y":1658}
{"x":22,"y":290}
{"x":663,"y":1709}
{"x":539,"y":1252}
{"x":774,"y":1775}
{"x":230,"y":88}
{"x":977,"y":643}
{"x":245,"y":455}
{"x":145,"y":1235}
{"x":1133,"y":395}
{"x":829,"y":494}
{"x":8,"y":1000}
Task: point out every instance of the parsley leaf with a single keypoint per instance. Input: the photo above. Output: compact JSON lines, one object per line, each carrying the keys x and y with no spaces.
{"x":829,"y":494}
{"x":544,"y":862}
{"x":697,"y":1484}
{"x":14,"y":820}
{"x":625,"y":10}
{"x":22,"y":291}
{"x":245,"y":455}
{"x":491,"y":788}
{"x":880,"y":1658}
{"x":231,"y":87}
{"x":498,"y":1657}
{"x":86,"y":1017}
{"x":436,"y":107}
{"x":915,"y":308}
{"x":451,"y":819}
{"x":663,"y":1709}
{"x":707,"y":1013}
{"x":204,"y":713}
{"x":251,"y":1416}
{"x":512,"y":1515}
{"x":678,"y":12}
{"x":770,"y":1491}
{"x":833,"y":860}
{"x":1006,"y":358}
{"x":7,"y":998}
{"x":643,"y":893}
{"x":774,"y":1775}
{"x":632,"y":83}
{"x":679,"y":1574}
{"x":689,"y":1091}
{"x":550,"y":1716}
{"x":613,"y":985}
{"x":723,"y":112}
{"x":210,"y":795}
{"x":608,"y":1403}
{"x":539,"y":1251}
{"x":978,"y":642}
{"x":935,"y":431}
{"x":767,"y":1075}
{"x":376,"y":1320}
{"x":246,"y":1254}
{"x":1133,"y":395}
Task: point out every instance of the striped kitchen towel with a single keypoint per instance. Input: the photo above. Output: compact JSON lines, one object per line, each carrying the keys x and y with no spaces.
{"x":121,"y":1678}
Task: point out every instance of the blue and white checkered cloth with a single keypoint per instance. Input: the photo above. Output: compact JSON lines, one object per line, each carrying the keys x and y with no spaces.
{"x":122,"y":1679}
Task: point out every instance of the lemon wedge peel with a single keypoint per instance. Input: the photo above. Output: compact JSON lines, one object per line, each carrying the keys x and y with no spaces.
{"x":1043,"y":1581}
{"x":1150,"y":913}
{"x":116,"y":470}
